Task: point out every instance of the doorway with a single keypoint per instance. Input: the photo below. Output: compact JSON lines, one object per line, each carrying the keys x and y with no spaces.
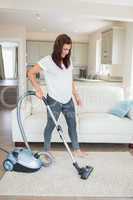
{"x":8,"y":74}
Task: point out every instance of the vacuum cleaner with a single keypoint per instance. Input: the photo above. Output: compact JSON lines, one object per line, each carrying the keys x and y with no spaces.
{"x":30,"y":161}
{"x":23,"y":159}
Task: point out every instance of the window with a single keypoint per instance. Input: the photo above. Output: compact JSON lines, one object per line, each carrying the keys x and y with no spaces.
{"x":10,"y":60}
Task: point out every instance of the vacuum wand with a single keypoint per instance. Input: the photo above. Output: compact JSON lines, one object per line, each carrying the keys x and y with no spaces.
{"x":84,"y":172}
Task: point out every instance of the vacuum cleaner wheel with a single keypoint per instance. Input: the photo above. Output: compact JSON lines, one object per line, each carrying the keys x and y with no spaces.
{"x":8,"y":165}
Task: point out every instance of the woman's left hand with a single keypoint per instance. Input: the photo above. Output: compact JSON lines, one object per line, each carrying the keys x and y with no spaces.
{"x":78,"y":100}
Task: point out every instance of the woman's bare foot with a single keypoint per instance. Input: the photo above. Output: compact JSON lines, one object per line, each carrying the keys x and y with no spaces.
{"x":46,"y":155}
{"x":79,"y":153}
{"x":50,"y":154}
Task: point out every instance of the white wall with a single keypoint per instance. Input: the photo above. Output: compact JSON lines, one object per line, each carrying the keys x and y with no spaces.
{"x":128,"y":61}
{"x":17,"y":34}
{"x":92,"y":51}
{"x":117,"y":70}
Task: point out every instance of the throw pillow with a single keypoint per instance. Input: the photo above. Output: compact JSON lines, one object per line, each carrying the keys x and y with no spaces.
{"x":122,"y":108}
{"x":130,"y":114}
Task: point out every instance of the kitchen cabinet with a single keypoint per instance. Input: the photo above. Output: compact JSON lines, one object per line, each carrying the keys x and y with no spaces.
{"x":39,"y":49}
{"x":113,"y":46}
{"x":79,"y":58}
{"x":45,"y":48}
{"x":80,"y":54}
{"x":32,"y":48}
{"x":81,"y":82}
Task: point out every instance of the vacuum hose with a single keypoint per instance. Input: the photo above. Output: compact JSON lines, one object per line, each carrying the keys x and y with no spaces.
{"x":19,"y":116}
{"x":47,"y":158}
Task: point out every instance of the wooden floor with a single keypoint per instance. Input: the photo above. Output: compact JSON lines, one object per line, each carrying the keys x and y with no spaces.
{"x":6,"y":142}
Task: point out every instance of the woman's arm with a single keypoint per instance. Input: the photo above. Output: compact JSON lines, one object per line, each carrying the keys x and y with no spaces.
{"x":32,"y":76}
{"x":75,"y":94}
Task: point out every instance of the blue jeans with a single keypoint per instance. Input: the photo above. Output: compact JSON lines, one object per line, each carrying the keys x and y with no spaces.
{"x":68,"y":111}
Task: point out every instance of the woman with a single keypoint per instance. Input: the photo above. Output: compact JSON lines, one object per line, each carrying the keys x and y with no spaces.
{"x":60,"y":87}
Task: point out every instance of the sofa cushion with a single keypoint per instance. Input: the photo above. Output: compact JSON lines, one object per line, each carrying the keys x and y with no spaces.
{"x":122,"y":108}
{"x":36,"y":123}
{"x":95,"y":99}
{"x":104,"y":124}
{"x":37,"y":105}
{"x":99,"y":98}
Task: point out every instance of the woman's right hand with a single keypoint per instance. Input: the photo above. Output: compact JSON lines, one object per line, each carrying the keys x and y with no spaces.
{"x":39,"y":93}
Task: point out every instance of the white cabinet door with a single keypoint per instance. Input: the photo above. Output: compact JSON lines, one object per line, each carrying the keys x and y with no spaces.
{"x":80,"y":54}
{"x":104,"y":49}
{"x":107,"y":47}
{"x":112,"y":46}
{"x":45,"y":48}
{"x":32,"y":52}
{"x":37,"y":50}
{"x":118,"y":46}
{"x":72,"y":54}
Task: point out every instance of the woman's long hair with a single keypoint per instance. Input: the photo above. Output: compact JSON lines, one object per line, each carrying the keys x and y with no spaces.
{"x":57,"y":50}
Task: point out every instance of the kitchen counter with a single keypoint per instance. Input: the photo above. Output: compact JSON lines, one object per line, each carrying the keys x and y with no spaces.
{"x":97,"y":80}
{"x":88,"y":80}
{"x":91,"y":82}
{"x":85,"y":82}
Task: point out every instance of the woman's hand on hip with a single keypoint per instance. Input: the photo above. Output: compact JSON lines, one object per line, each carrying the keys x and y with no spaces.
{"x":39,"y":93}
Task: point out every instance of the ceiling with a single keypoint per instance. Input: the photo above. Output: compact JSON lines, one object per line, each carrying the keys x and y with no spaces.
{"x":112,"y":2}
{"x":71,"y":16}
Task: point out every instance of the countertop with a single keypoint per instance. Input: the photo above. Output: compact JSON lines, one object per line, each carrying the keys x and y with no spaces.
{"x":87,"y":82}
{"x":97,"y":80}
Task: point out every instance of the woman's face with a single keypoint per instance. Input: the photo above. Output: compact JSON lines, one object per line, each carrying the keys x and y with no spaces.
{"x":65,"y":50}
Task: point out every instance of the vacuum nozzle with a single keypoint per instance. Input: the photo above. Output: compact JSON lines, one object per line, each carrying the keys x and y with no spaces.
{"x":84,"y":172}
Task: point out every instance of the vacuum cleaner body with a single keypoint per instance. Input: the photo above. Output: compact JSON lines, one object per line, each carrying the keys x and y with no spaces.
{"x":22,"y":160}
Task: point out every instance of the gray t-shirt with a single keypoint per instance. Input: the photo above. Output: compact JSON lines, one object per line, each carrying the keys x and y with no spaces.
{"x":58,"y":81}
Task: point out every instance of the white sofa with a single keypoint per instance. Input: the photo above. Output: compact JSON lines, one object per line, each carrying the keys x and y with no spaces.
{"x":95,"y":124}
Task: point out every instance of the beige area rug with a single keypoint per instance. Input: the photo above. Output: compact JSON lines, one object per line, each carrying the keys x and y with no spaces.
{"x":112,"y":177}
